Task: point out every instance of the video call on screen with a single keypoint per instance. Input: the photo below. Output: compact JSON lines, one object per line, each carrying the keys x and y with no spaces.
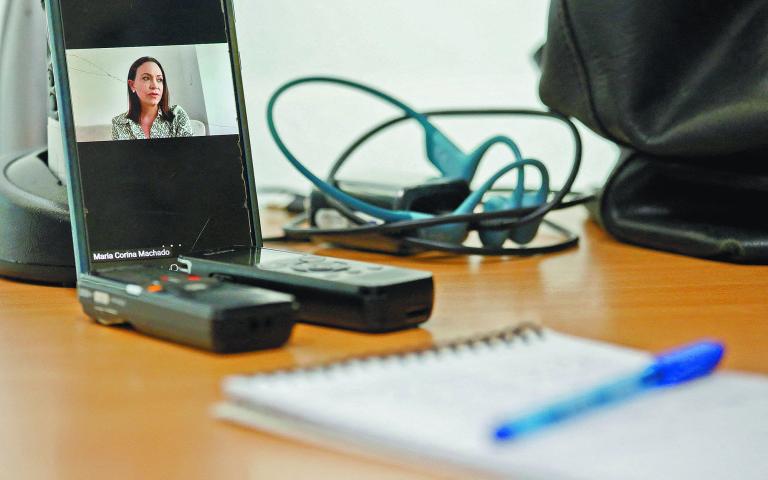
{"x":156,"y":125}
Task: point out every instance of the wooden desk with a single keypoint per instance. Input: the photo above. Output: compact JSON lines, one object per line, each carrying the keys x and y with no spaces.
{"x":78,"y":400}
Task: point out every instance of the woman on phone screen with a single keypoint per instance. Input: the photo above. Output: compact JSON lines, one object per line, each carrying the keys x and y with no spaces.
{"x":149,"y":114}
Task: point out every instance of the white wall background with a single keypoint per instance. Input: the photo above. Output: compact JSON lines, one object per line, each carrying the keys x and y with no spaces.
{"x":98,"y":79}
{"x":429,"y":53}
{"x":219,"y":98}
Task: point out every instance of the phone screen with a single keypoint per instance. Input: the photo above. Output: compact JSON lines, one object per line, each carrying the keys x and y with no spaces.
{"x":157,"y":129}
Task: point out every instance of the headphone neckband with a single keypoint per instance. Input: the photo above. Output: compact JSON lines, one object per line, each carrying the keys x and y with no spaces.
{"x":398,"y":222}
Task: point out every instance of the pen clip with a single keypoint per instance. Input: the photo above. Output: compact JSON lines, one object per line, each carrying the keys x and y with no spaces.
{"x":685,"y":363}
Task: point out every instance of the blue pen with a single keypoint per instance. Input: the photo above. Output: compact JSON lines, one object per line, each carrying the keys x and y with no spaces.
{"x":670,"y":368}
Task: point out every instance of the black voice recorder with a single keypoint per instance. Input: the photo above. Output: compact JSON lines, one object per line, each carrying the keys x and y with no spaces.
{"x":332,"y":292}
{"x":200,"y":312}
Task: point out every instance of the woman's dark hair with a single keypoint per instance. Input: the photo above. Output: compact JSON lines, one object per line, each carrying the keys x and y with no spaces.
{"x":134,"y":104}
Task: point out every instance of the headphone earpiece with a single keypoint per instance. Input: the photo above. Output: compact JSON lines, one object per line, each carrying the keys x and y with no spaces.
{"x":520,"y":198}
{"x":494,"y":238}
{"x":522,"y":234}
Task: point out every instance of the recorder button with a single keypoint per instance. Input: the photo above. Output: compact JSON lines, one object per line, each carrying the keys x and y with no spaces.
{"x":339,"y":266}
{"x":134,"y":290}
{"x":195,"y":287}
{"x":311,"y":259}
{"x":301,"y":267}
{"x":321,"y":267}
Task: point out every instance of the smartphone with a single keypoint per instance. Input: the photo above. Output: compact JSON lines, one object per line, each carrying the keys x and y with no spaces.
{"x":155,"y":141}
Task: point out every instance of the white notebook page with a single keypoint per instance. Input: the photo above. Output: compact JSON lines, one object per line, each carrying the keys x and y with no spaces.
{"x":444,"y":406}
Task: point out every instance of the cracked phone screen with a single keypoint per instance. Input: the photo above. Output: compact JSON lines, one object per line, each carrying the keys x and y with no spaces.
{"x":154,"y":107}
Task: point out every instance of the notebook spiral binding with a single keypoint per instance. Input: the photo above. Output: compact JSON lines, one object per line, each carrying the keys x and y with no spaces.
{"x":525,"y":331}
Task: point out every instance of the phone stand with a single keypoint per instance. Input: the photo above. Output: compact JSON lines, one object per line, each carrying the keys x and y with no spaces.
{"x":35,"y":233}
{"x":36,"y":240}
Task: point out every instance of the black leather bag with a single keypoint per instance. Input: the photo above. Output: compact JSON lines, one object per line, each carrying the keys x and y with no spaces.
{"x":682,"y":86}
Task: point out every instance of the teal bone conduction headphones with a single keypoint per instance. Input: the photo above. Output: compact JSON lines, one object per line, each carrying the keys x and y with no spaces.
{"x":516,"y":217}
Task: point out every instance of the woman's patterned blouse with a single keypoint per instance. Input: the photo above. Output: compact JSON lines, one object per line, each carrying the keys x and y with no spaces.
{"x":123,"y":128}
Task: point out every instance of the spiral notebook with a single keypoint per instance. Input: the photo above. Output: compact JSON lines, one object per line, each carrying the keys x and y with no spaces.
{"x":437,"y":407}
